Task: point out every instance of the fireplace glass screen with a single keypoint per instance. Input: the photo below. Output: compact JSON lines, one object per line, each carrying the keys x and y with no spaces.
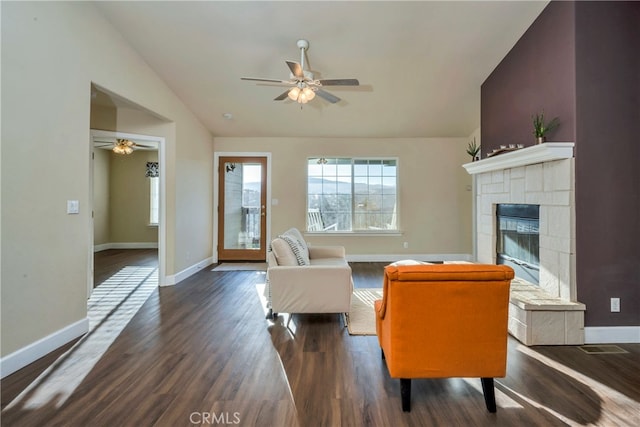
{"x":518,"y":239}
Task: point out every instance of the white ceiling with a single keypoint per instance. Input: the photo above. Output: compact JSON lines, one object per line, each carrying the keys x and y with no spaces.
{"x":420,"y":64}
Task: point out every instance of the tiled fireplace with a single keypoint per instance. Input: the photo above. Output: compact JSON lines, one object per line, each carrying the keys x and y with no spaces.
{"x":543,"y":175}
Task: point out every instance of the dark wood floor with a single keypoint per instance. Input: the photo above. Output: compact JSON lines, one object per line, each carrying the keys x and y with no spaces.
{"x":106,"y":263}
{"x":201,"y":352}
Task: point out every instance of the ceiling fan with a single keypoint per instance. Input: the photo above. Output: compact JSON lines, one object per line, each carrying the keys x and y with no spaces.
{"x":304,"y":86}
{"x":121,"y":145}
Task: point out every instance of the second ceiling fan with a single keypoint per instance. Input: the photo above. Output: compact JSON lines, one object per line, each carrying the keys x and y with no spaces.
{"x":304,"y":86}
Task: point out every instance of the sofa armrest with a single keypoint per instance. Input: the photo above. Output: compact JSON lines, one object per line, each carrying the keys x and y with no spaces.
{"x":326,"y":252}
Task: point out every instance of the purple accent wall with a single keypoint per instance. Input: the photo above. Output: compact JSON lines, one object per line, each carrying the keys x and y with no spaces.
{"x":608,"y":160}
{"x":537,"y":75}
{"x":579,"y":61}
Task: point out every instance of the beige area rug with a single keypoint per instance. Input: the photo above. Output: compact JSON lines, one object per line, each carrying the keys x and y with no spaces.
{"x":235,"y":266}
{"x":362,"y":320}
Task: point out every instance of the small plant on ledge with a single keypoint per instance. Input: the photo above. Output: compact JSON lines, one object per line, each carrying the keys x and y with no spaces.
{"x":473,"y":149}
{"x":540,"y":129}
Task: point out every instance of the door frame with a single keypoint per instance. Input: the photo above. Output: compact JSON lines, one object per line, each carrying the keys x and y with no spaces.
{"x":97,"y":134}
{"x":216,"y":193}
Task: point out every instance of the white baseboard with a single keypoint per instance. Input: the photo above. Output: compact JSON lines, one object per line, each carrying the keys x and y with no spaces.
{"x":34,"y":351}
{"x":189,"y":271}
{"x":417,"y":257}
{"x":612,"y":334}
{"x":125,"y":245}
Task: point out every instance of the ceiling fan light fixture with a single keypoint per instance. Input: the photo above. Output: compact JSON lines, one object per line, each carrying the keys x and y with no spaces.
{"x":123,"y":146}
{"x":294,"y":93}
{"x":309,"y":93}
{"x":301,"y":95}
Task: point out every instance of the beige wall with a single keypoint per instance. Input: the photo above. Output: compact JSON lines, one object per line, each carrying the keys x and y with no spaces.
{"x":103,"y":117}
{"x":51,"y":54}
{"x":435,"y":197}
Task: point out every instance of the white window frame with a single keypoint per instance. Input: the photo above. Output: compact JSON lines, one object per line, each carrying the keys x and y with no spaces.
{"x":154,"y":201}
{"x":392,"y":227}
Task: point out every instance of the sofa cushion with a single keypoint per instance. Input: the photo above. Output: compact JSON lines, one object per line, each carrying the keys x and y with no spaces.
{"x":300,"y":250}
{"x":301,"y":244}
{"x":296,"y":234}
{"x":283,"y":252}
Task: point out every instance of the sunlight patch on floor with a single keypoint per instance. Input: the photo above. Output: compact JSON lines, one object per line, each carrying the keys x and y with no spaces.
{"x":605,"y":393}
{"x":533,"y":403}
{"x":110,"y":308}
{"x":260,"y":289}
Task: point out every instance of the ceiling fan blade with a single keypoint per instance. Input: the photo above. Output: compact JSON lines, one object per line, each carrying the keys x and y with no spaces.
{"x":276,"y":84}
{"x":264,"y":80}
{"x":296,"y":69}
{"x":326,"y":95}
{"x":282,"y":96}
{"x":340,"y":82}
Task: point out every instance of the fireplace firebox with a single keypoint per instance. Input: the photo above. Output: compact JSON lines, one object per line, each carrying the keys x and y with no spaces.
{"x":518,"y":239}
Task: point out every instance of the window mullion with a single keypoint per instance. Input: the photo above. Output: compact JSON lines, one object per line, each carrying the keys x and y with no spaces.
{"x":353,"y":192}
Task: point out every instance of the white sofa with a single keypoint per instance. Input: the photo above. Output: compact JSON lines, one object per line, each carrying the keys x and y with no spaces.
{"x":306,"y":279}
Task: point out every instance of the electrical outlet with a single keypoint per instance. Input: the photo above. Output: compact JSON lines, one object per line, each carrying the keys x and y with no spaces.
{"x":615,"y":305}
{"x":405,"y":245}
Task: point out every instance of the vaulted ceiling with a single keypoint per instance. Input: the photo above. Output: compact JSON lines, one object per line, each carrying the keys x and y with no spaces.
{"x":420,"y":64}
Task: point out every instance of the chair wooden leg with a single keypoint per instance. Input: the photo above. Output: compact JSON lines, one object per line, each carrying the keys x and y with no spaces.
{"x":489,"y":394}
{"x":405,"y":394}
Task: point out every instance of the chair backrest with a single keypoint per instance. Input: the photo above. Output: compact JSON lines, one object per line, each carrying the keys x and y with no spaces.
{"x":314,"y":220}
{"x":445,"y":320}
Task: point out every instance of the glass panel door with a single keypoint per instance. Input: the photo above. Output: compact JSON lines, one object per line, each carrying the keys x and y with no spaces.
{"x":242,"y":210}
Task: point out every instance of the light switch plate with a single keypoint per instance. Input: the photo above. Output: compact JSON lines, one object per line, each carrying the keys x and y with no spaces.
{"x":73,"y":206}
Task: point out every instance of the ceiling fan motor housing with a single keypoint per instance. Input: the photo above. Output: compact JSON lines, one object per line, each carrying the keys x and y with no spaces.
{"x":308,"y":76}
{"x":303,"y":44}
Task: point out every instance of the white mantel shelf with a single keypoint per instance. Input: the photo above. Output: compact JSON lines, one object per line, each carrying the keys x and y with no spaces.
{"x":525,"y":156}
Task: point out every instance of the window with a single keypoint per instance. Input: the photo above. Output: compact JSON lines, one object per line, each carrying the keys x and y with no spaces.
{"x":351,"y":194}
{"x":154,"y":200}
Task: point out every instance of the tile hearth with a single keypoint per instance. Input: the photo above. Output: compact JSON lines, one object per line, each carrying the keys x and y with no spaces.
{"x":537,"y":318}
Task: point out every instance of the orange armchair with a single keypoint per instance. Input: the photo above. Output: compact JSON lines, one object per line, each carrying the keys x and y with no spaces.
{"x":443,"y":321}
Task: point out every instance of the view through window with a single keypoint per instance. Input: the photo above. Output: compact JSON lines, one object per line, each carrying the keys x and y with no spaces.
{"x":351,"y":194}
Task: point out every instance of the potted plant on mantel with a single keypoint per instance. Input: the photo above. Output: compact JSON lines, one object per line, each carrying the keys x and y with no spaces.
{"x":473,"y":149}
{"x":540,"y":129}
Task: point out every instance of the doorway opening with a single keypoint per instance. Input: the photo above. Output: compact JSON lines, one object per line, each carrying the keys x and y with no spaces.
{"x":128,"y":210}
